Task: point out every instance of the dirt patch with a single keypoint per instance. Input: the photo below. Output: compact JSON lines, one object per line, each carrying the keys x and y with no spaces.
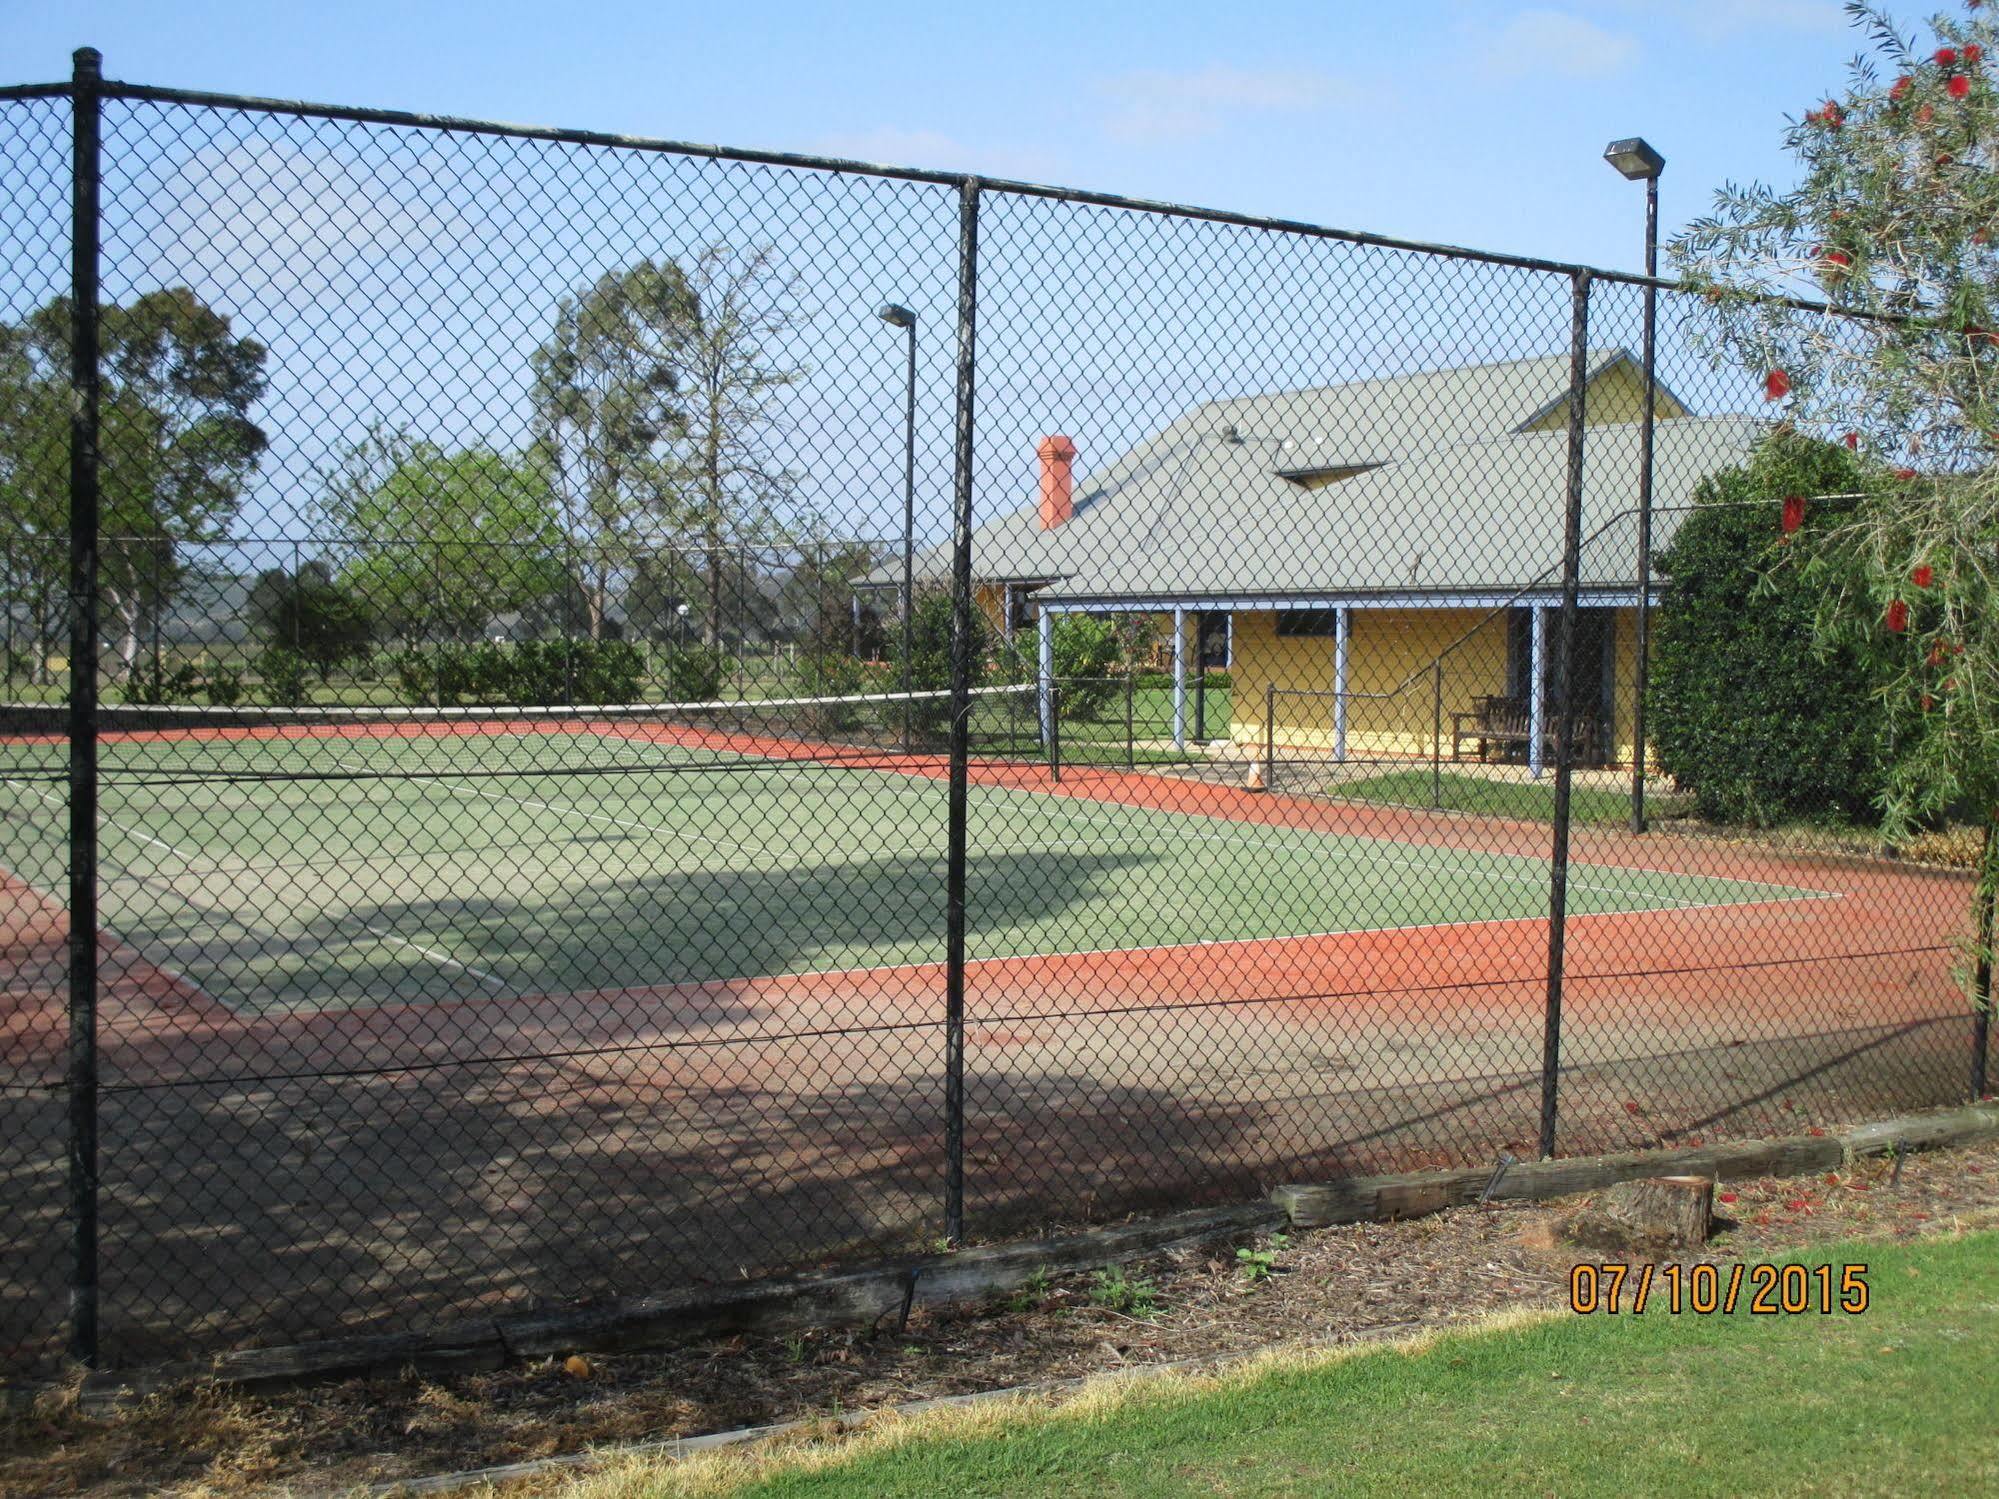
{"x":1326,"y":1284}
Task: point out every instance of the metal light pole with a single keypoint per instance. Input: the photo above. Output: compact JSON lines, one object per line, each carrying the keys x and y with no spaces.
{"x":1640,"y":163}
{"x":898,"y":316}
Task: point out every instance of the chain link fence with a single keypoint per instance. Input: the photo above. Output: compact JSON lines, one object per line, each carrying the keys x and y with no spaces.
{"x":587,"y":715}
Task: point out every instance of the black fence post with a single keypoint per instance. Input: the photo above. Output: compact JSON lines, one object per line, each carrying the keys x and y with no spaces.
{"x":1131,"y":720}
{"x":437,"y":642}
{"x":1981,"y":973}
{"x":1643,"y":643}
{"x":157,"y":607}
{"x":1270,"y":736}
{"x":86,"y":107}
{"x":1437,"y":734}
{"x":572,"y":578}
{"x":1054,"y":734}
{"x":1558,"y":878}
{"x":961,"y":706}
{"x":1200,"y":687}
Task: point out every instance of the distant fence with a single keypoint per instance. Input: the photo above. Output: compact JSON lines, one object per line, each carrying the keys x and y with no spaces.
{"x":418,"y":902}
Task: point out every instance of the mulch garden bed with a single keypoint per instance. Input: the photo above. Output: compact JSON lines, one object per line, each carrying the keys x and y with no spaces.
{"x":1323,"y":1285}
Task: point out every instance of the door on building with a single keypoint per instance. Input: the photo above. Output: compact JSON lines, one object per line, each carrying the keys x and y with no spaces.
{"x":1595,"y":675}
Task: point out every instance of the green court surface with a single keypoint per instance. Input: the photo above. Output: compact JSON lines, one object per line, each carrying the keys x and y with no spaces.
{"x":619,"y":864}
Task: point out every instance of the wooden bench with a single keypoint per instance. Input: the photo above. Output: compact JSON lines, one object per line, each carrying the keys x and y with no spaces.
{"x":1506,"y":723}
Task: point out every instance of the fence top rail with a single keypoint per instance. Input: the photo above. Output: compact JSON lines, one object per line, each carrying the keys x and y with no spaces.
{"x":1332,"y":696}
{"x":250,"y":103}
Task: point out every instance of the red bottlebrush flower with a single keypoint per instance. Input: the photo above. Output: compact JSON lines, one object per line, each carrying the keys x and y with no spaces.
{"x":1795,"y":1204}
{"x":1776,"y":385}
{"x":1973,"y":54}
{"x":1944,"y":158}
{"x":1900,"y":88}
{"x":1852,"y":441}
{"x":1794,"y":513}
{"x":1838,"y":257}
{"x":1832,"y":116}
{"x":1957,"y":650}
{"x":1630,"y":1107}
{"x":1946,"y":57}
{"x":1897,"y":618}
{"x":1905,"y":474}
{"x":1724,"y":1197}
{"x":1925,"y":115}
{"x":1924,"y":575}
{"x":1816,"y":1132}
{"x":1958,"y":87}
{"x":1937,"y":655}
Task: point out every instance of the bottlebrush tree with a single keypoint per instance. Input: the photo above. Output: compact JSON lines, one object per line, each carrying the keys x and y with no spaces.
{"x":1892,"y":225}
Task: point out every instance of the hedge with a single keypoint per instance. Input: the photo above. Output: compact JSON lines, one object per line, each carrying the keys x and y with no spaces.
{"x":1749,"y":712}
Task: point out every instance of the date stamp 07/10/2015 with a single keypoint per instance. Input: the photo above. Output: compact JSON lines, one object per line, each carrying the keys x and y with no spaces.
{"x":1763,"y":1290}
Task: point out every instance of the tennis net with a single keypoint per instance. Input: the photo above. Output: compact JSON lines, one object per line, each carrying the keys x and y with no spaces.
{"x":170,"y":744}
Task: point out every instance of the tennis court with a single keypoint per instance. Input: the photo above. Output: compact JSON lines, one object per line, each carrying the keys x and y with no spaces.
{"x":374,"y":991}
{"x":413,"y":861}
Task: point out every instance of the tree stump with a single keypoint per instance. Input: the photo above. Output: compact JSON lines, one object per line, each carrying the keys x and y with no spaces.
{"x":1655,"y":1212}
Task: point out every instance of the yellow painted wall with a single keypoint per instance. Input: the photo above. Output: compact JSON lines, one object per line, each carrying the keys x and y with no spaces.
{"x":1393,"y":696}
{"x":1391,"y":681}
{"x":1616,"y":396}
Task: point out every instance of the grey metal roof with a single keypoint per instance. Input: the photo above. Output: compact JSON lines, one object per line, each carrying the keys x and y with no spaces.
{"x":1459,"y":499}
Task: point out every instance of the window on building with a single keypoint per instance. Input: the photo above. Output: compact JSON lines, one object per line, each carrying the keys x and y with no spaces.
{"x":1292,"y":623}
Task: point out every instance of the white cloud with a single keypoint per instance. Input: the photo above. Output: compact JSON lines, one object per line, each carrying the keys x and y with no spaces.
{"x":287,"y":219}
{"x":1155,"y":105}
{"x":932,"y":150}
{"x":1552,"y":41}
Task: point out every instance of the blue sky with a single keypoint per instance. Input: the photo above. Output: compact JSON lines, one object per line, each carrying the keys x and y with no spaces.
{"x":1473,"y":123}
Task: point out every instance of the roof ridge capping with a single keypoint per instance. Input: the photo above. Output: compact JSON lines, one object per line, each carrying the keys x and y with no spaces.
{"x":1598,"y":360}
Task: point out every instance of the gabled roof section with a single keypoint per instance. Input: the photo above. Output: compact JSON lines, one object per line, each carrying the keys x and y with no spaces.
{"x":1478,"y":518}
{"x":1263,"y":493}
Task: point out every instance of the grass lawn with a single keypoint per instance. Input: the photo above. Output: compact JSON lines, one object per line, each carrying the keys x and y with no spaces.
{"x":1526,"y":801}
{"x":1102,"y":739}
{"x":1896,"y":1400}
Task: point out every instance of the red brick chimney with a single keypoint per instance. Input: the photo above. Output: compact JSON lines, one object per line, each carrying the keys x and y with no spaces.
{"x":1058,"y":482}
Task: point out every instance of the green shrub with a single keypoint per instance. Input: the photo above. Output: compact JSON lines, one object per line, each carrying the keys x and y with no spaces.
{"x":414,"y":670}
{"x":223,"y":687}
{"x":693,"y":673}
{"x":834,"y":674}
{"x":152,"y":684}
{"x":1087,"y":650}
{"x":1749,"y":713}
{"x":526,"y":673}
{"x":283,"y":672}
{"x":930,"y":658}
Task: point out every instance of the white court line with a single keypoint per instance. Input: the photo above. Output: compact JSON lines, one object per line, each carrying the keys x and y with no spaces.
{"x":437,"y":957}
{"x":180,"y":854}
